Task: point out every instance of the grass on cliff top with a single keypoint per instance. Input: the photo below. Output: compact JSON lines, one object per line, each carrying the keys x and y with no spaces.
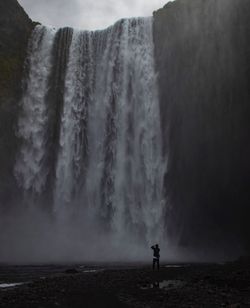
{"x":10,"y":72}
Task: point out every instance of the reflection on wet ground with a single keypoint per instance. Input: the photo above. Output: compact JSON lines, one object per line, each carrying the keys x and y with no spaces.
{"x":165,"y":285}
{"x":176,"y":265}
{"x":9,"y":285}
{"x":16,"y":274}
{"x":92,"y":271}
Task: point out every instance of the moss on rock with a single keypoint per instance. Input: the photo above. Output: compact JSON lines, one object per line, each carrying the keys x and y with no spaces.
{"x":15,"y":30}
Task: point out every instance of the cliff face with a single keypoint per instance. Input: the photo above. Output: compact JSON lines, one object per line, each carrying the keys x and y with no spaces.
{"x":15,"y":29}
{"x":203,"y":58}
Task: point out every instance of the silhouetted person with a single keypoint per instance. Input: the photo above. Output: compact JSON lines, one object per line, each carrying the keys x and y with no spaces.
{"x":156,"y":256}
{"x":156,"y":285}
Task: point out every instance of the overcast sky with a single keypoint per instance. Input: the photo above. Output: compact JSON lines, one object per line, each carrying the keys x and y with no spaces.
{"x":87,"y":14}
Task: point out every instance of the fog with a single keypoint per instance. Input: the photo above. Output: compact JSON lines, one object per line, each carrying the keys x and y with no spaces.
{"x":36,"y":237}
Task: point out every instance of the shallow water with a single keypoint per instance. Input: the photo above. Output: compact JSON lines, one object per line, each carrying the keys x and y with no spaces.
{"x":165,"y":284}
{"x":9,"y":285}
{"x":176,"y":265}
{"x":21,"y":274}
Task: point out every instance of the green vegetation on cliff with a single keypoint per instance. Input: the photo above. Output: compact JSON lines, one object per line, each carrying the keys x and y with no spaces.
{"x":15,"y":30}
{"x":10,"y":67}
{"x":14,"y":33}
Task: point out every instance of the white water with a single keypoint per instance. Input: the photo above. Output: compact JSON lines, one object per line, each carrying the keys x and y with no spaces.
{"x":109,"y":166}
{"x":33,"y":122}
{"x":10,"y":285}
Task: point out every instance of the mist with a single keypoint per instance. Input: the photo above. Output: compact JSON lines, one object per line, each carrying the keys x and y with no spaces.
{"x":36,"y":237}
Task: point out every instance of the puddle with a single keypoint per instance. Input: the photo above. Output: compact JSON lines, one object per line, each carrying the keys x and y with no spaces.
{"x":165,"y":285}
{"x":171,"y":284}
{"x":86,"y":269}
{"x":10,"y":285}
{"x":176,"y":265}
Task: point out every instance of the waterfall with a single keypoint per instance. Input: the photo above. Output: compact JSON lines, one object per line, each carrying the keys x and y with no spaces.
{"x":90,"y":127}
{"x":31,"y":168}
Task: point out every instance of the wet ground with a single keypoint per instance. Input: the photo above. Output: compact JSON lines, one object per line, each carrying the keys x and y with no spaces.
{"x":189,"y":285}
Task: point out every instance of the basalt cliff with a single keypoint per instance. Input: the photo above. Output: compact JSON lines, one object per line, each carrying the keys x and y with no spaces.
{"x":202,"y":51}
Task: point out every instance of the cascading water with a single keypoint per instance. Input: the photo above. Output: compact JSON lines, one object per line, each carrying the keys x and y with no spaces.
{"x":90,"y":128}
{"x":31,"y":169}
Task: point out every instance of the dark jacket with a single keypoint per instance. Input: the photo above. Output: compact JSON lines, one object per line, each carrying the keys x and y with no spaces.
{"x":156,"y":252}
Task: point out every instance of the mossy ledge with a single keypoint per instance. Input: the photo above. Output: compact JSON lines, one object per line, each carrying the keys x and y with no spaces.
{"x":15,"y":30}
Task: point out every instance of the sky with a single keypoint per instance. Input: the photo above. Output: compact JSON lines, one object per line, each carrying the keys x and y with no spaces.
{"x":87,"y":14}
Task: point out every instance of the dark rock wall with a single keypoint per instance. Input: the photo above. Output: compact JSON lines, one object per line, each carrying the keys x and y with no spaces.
{"x":15,"y":29}
{"x":203,"y":58}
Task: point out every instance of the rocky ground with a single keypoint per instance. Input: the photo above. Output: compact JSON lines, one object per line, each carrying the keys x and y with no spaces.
{"x":199,"y":285}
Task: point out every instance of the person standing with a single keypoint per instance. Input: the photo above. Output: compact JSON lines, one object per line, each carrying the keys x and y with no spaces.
{"x":156,"y":256}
